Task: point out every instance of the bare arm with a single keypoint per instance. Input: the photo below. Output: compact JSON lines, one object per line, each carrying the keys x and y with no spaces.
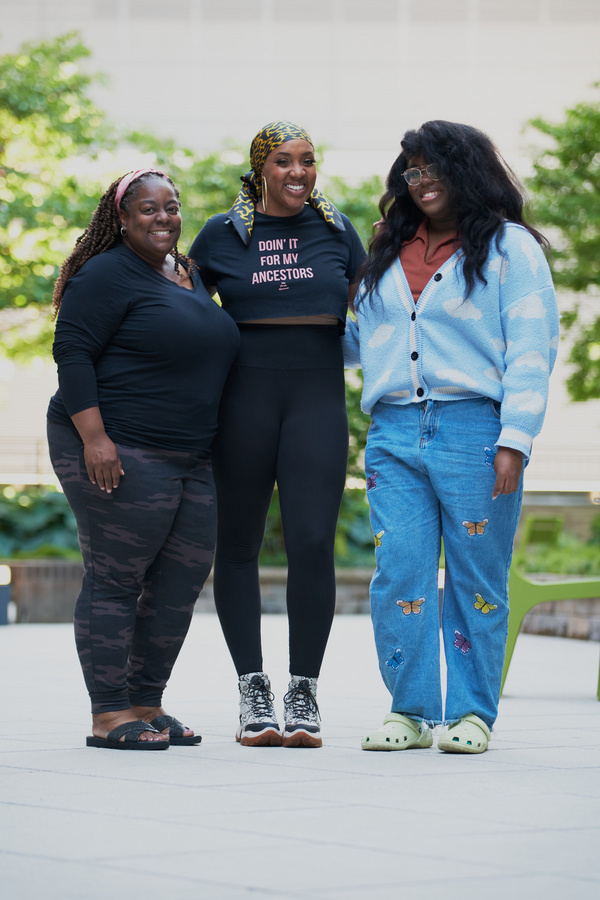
{"x":101,"y":456}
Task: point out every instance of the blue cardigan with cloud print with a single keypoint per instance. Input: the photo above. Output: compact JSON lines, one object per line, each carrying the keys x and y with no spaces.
{"x":499,"y":343}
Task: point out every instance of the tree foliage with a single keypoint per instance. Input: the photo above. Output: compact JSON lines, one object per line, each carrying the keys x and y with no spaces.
{"x":47,"y":123}
{"x":59,"y":152}
{"x":566,"y":191}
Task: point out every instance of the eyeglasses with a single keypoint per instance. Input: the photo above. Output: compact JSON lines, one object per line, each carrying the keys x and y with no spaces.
{"x":413,"y":176}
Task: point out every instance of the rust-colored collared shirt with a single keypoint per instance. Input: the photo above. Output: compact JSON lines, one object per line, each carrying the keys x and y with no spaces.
{"x":418,"y":271}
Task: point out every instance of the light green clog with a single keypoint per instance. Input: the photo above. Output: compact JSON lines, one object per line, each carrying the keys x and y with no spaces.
{"x":399,"y":733}
{"x":469,"y":735}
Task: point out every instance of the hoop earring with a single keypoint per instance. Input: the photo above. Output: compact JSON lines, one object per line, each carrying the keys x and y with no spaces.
{"x":264,"y":193}
{"x":123,"y":230}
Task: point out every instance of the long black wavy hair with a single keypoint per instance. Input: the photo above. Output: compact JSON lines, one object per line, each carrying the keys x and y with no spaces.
{"x":483,"y":192}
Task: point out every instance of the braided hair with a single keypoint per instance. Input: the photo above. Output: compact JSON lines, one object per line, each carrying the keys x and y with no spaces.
{"x":104,"y":232}
{"x":483,"y":193}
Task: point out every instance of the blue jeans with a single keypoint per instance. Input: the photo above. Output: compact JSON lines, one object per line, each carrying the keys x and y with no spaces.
{"x":430,"y":476}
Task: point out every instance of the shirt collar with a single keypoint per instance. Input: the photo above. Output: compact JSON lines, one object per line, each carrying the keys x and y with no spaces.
{"x":421,"y":235}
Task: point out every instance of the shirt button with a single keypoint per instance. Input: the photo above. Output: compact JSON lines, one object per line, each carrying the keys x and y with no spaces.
{"x":437,"y":277}
{"x":414,"y":355}
{"x":414,"y":316}
{"x":420,"y":392}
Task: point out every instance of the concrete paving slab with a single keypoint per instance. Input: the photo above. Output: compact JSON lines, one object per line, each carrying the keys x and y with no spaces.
{"x":87,"y":880}
{"x":224,"y":821}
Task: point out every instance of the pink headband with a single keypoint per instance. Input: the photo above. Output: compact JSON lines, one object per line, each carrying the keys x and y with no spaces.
{"x":126,"y":181}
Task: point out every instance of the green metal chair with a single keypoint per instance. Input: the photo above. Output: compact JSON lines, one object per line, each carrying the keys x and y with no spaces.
{"x":537,"y":529}
{"x":525,"y":594}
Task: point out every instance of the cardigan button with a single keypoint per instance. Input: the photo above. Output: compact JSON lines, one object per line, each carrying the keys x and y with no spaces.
{"x":413,"y":316}
{"x":437,"y":276}
{"x":414,"y":355}
{"x":420,"y":392}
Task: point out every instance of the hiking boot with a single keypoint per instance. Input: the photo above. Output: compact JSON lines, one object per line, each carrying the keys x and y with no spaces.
{"x":258,"y":723}
{"x":301,"y":714}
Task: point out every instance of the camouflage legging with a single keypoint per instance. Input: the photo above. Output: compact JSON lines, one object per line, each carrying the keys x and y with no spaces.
{"x":147,"y":550}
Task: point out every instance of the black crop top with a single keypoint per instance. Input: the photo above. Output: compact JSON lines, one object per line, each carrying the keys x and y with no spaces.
{"x":152,"y":355}
{"x":293,"y":266}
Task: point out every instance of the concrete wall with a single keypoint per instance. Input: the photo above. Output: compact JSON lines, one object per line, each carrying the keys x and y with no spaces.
{"x":356,"y":73}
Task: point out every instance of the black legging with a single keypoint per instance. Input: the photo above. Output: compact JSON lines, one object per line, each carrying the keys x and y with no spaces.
{"x":282,"y":419}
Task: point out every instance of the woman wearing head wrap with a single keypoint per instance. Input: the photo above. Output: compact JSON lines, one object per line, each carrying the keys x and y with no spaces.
{"x":131,"y":449}
{"x":283,"y":260}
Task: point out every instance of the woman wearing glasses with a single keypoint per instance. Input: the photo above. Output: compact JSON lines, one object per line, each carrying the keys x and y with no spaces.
{"x":456,"y":333}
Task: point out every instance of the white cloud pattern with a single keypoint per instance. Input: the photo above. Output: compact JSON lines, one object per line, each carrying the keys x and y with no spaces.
{"x":533,"y":359}
{"x":527,"y":401}
{"x":531,"y":307}
{"x":381,"y":335}
{"x":493,"y":374}
{"x":383,"y":379}
{"x":531,"y":257}
{"x":456,"y":377}
{"x":462,"y":309}
{"x":500,"y":266}
{"x":498,"y":344}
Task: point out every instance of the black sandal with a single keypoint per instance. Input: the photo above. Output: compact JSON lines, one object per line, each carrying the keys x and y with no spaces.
{"x":176,"y":729}
{"x":136,"y":728}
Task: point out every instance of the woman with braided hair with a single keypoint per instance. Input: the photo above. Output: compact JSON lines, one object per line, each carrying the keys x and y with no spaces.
{"x":283,"y":260}
{"x":142,"y":353}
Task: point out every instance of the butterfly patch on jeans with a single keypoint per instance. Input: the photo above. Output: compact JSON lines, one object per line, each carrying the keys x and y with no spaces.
{"x":377,"y":538}
{"x":483,"y":605}
{"x":372,"y":481}
{"x":489,"y":456}
{"x":395,"y":661}
{"x":474,"y":528}
{"x":461,"y":643}
{"x":411,"y":606}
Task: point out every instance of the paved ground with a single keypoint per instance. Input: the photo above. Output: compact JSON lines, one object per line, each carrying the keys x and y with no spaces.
{"x":222,"y":821}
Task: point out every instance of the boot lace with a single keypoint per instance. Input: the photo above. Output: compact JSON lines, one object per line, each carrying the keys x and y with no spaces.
{"x":260,"y":697}
{"x":301,"y":702}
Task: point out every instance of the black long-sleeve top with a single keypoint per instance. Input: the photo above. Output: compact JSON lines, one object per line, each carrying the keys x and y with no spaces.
{"x":152,"y":355}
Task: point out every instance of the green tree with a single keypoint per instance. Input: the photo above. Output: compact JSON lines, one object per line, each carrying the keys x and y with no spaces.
{"x":47,"y":124}
{"x":566,"y":191}
{"x":360,"y":204}
{"x":59,"y":152}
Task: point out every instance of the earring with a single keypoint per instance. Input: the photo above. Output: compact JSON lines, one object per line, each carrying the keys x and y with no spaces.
{"x":123,"y":230}
{"x":264,"y":193}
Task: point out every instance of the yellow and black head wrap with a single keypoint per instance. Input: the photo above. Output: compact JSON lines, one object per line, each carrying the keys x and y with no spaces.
{"x":267,"y":139}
